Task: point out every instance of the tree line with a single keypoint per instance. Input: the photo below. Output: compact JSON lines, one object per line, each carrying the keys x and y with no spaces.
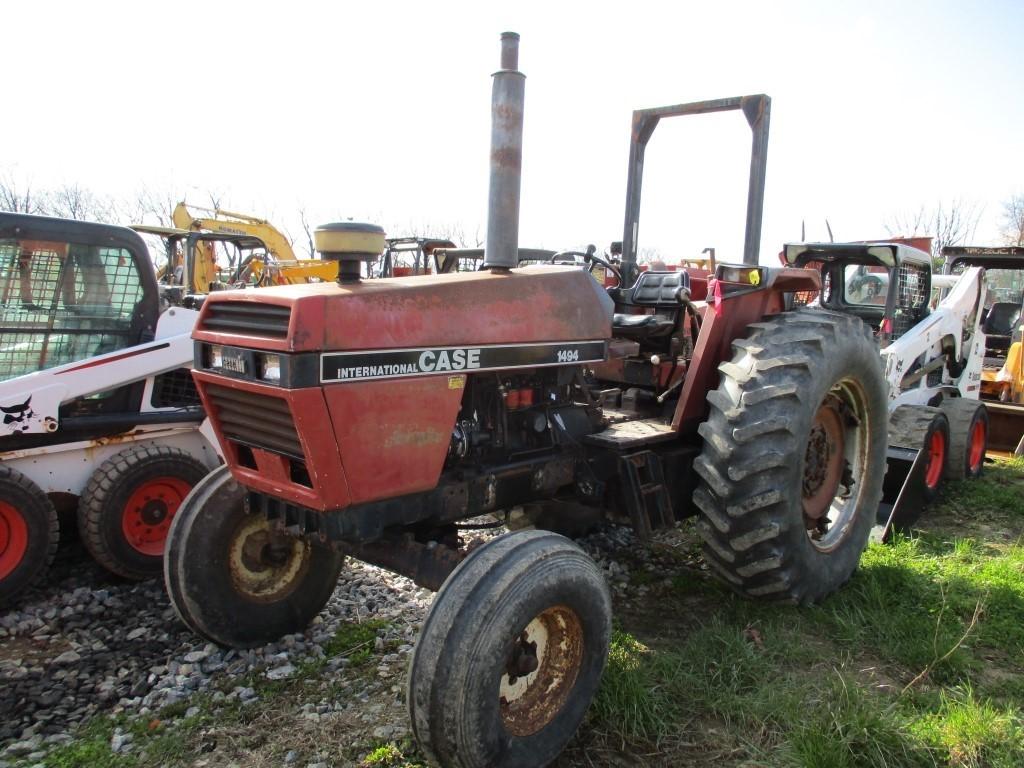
{"x":953,"y":223}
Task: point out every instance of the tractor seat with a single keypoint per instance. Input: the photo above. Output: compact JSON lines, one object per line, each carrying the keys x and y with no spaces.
{"x":641,"y":326}
{"x":657,"y":291}
{"x":1000,"y":323}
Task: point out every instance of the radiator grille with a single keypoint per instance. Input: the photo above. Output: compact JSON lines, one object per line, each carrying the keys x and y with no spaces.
{"x":255,"y":420}
{"x":248,"y":317}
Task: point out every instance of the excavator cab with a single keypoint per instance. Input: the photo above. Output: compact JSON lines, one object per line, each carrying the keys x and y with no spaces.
{"x":195,"y":263}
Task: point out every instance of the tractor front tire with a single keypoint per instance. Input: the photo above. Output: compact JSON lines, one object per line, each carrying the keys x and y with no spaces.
{"x":129,"y":504}
{"x":511,"y":654}
{"x":968,"y":437}
{"x":235,"y":579}
{"x":794,"y":456}
{"x":29,"y":532}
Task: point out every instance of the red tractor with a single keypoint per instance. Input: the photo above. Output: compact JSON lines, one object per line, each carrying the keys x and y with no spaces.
{"x":367,"y":418}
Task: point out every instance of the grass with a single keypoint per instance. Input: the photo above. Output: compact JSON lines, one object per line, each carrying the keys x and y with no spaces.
{"x":918,"y":661}
{"x":387,"y":756}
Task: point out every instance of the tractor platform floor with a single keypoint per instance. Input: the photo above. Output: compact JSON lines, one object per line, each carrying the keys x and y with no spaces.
{"x":632,"y":434}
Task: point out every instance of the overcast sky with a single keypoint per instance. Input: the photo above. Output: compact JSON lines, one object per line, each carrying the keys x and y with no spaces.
{"x":381,"y":111}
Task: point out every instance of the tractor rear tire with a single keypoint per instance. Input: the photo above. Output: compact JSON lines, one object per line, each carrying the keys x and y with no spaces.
{"x":794,"y":456}
{"x":923,"y":428}
{"x":129,"y":504}
{"x":968,"y":437}
{"x":29,"y":532}
{"x":236,"y":580}
{"x":511,"y":654}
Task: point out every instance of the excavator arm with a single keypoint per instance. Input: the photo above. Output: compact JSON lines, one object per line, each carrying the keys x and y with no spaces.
{"x":284,"y":267}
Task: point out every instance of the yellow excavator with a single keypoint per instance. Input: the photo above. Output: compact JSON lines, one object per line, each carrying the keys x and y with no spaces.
{"x":278,"y":267}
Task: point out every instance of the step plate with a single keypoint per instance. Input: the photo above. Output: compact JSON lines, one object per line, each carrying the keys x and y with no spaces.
{"x":632,"y":434}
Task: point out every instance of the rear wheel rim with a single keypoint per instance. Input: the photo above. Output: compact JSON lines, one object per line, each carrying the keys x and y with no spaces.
{"x":979,"y":435}
{"x":834,"y":464}
{"x":936,"y":459}
{"x":147,"y":514}
{"x":13,"y":539}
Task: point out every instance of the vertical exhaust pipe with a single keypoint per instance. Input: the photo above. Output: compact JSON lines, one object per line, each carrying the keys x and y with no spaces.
{"x":508,"y":91}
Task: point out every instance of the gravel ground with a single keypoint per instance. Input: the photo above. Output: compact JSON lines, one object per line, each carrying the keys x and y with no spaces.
{"x":86,"y":644}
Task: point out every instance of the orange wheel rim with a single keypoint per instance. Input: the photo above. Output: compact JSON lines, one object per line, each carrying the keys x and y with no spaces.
{"x":936,"y":459}
{"x":979,"y":438}
{"x":13,"y":539}
{"x":147,"y":514}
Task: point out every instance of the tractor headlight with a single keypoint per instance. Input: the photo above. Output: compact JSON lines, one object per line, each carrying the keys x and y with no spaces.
{"x":216,"y":356}
{"x":270,"y":368}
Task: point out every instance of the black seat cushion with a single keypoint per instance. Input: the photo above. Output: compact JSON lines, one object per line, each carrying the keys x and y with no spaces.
{"x":641,"y":326}
{"x":1000,"y":324}
{"x":1002,"y":318}
{"x":654,"y":289}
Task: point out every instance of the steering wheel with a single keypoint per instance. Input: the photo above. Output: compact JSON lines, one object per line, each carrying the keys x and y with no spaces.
{"x":591,"y":258}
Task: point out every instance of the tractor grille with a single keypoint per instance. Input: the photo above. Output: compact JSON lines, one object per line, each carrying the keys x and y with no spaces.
{"x":255,"y":420}
{"x":248,"y":317}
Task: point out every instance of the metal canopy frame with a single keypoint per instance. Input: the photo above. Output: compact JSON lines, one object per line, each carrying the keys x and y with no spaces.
{"x":756,"y":109}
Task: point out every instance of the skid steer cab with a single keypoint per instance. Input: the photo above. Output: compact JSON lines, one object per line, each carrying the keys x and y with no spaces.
{"x":378,"y":418}
{"x":1002,"y":321}
{"x":100,"y":418}
{"x":931,"y":339}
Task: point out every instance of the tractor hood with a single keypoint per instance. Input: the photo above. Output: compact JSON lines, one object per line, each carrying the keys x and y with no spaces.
{"x":521,"y":306}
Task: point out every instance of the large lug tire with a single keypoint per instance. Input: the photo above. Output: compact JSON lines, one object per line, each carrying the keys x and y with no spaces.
{"x":29,"y":533}
{"x":129,"y":504}
{"x":794,"y":456}
{"x":968,"y":437}
{"x":511,"y":654}
{"x":923,"y":428}
{"x":236,"y":580}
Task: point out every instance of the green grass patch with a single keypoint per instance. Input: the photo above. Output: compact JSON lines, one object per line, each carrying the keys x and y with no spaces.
{"x":387,"y":756}
{"x":918,"y":661}
{"x":973,"y":733}
{"x":355,"y":641}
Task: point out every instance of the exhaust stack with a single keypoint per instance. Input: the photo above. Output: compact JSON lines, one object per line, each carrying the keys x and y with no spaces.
{"x":508,"y":91}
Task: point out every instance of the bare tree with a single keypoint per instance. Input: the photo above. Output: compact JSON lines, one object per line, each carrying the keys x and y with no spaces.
{"x":307,"y":231}
{"x":18,"y":198}
{"x":952,"y":224}
{"x":150,"y":206}
{"x":71,"y":201}
{"x":1013,"y":220}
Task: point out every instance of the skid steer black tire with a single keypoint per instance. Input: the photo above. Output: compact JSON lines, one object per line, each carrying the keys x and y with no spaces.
{"x":29,"y":533}
{"x":129,"y":504}
{"x":968,"y":437}
{"x":236,"y":581}
{"x":465,"y":706}
{"x":756,"y":464}
{"x":923,"y":428}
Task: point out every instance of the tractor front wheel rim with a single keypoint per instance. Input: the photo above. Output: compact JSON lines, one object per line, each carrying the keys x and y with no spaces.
{"x":540,"y":671}
{"x":265,"y":564}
